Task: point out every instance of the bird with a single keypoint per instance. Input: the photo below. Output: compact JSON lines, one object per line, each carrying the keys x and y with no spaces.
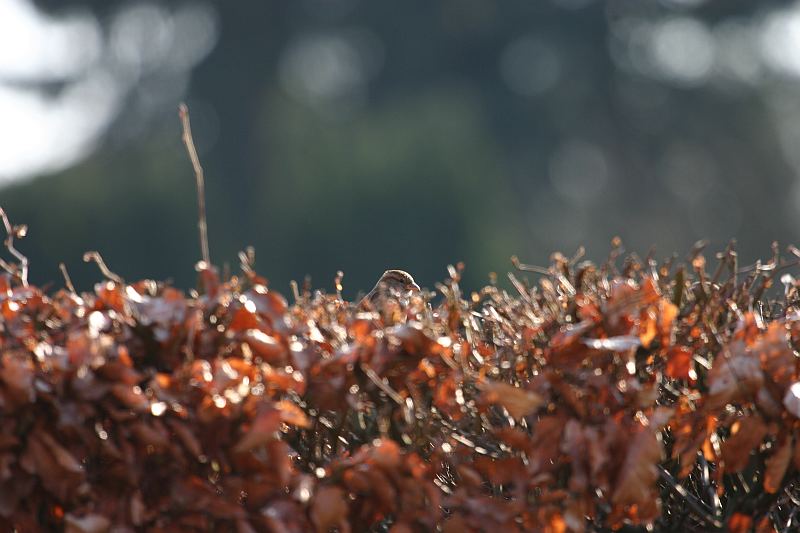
{"x":392,"y":283}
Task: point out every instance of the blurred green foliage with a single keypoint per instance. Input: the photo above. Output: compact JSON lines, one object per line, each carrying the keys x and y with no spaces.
{"x":432,"y":155}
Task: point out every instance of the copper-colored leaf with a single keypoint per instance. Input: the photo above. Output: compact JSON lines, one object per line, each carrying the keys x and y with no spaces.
{"x":149,"y":436}
{"x":776,"y":465}
{"x":679,"y":362}
{"x":131,"y":397}
{"x":667,"y":313}
{"x":517,"y":401}
{"x":574,"y":445}
{"x":690,"y":430}
{"x":292,"y":414}
{"x":60,"y":472}
{"x":777,"y":357}
{"x":636,"y":482}
{"x":265,"y":346}
{"x":765,"y":525}
{"x":735,"y":377}
{"x":187,"y":438}
{"x":16,"y":374}
{"x":657,"y":321}
{"x":740,"y":523}
{"x":263,"y":430}
{"x":64,"y":459}
{"x":746,"y":434}
{"x":244,"y":317}
{"x":546,"y":443}
{"x":329,"y":509}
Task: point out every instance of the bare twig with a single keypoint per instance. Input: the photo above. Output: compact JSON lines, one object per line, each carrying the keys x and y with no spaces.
{"x":337,"y":283}
{"x":97,"y":258}
{"x":188,"y":141}
{"x":579,"y":253}
{"x":696,"y":250}
{"x":20,"y":232}
{"x":247,"y":259}
{"x":699,"y":508}
{"x":8,"y":267}
{"x":725,"y":258}
{"x":67,"y":279}
{"x":523,"y":292}
{"x":295,"y":291}
{"x":382,"y":384}
{"x":529,"y":268}
{"x":189,"y":345}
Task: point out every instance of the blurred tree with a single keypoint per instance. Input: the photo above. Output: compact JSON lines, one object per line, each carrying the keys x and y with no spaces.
{"x":365,"y":135}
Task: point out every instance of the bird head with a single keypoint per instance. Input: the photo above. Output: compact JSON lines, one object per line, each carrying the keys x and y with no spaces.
{"x":398,"y":280}
{"x":392,"y":283}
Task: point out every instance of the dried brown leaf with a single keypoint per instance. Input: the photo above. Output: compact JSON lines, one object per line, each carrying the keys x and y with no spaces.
{"x":329,"y":510}
{"x":636,"y":481}
{"x":264,"y":429}
{"x":746,"y":434}
{"x":293,"y":415}
{"x":777,"y":464}
{"x":517,"y":401}
{"x":735,"y":377}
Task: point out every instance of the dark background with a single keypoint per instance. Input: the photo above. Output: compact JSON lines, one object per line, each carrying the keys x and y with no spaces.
{"x":361,"y":135}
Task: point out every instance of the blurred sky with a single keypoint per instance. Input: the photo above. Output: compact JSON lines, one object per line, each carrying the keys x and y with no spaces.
{"x":367,"y":135}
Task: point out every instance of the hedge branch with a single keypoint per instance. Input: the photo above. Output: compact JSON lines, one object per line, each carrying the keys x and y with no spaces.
{"x":188,"y":141}
{"x":20,"y":232}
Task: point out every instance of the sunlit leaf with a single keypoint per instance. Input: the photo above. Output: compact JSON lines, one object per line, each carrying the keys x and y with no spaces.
{"x":517,"y":401}
{"x":292,"y":414}
{"x":746,"y":434}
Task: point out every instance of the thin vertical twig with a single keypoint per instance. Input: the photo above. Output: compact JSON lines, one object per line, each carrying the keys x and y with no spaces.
{"x":16,"y":231}
{"x":67,"y":279}
{"x":97,"y":258}
{"x":337,"y":284}
{"x":295,"y":291}
{"x":188,"y":141}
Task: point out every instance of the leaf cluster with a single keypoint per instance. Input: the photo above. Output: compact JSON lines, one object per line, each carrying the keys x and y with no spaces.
{"x":594,"y":397}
